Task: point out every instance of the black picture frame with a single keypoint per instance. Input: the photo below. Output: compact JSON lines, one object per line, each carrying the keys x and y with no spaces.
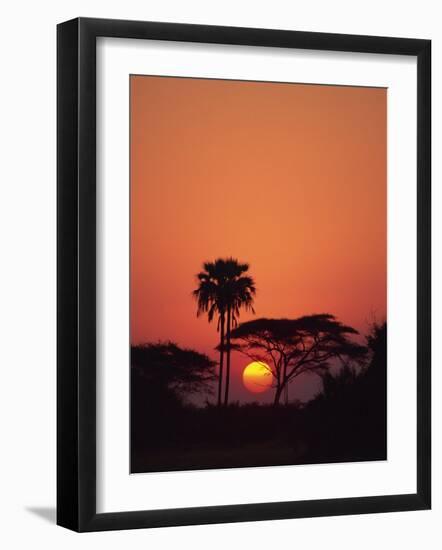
{"x":77,"y":287}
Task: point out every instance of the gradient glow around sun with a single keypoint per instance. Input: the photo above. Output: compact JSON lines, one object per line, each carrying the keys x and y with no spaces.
{"x":257,"y":377}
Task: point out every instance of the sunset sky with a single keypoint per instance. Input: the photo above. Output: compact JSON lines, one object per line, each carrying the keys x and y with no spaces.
{"x":290,"y":178}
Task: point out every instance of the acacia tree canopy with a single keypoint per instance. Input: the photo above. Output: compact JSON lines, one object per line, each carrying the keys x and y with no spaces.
{"x":180,"y":369}
{"x":294,"y":346}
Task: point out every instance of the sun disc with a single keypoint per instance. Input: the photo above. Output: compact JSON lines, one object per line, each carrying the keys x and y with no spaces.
{"x":257,"y":377}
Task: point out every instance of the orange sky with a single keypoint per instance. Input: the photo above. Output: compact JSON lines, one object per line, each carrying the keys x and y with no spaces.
{"x":290,"y":178}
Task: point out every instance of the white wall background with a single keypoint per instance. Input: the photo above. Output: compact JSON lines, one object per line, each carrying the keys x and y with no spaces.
{"x":27,"y":273}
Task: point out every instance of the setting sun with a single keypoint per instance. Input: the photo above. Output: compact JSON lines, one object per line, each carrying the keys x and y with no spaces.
{"x":257,"y":377}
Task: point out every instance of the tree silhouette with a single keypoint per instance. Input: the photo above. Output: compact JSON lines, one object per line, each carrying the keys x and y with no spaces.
{"x":211,"y":299}
{"x":348,"y":418}
{"x":292,"y":347}
{"x":163,"y":375}
{"x":223,"y":290}
{"x":181,"y":370}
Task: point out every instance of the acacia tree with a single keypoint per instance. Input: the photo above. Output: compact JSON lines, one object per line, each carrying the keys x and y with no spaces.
{"x":291,"y":347}
{"x":223,"y":290}
{"x":163,"y":378}
{"x":181,"y":370}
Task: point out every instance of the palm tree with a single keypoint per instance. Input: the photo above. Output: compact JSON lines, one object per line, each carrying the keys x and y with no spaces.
{"x":223,"y":289}
{"x":210,"y":299}
{"x":241,"y":291}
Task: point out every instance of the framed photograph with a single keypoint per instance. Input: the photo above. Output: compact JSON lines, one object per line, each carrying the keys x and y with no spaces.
{"x":243,"y":274}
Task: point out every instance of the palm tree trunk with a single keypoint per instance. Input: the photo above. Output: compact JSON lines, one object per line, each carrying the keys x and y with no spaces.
{"x":221,"y":359}
{"x":229,"y":322}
